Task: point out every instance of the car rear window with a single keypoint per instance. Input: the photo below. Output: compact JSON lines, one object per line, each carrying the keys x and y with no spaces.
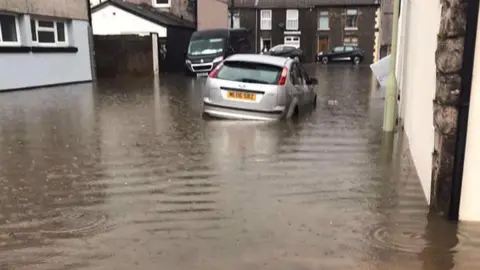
{"x":249,"y":72}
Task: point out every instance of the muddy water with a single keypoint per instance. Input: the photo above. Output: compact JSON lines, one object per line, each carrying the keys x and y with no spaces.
{"x":126,"y":175}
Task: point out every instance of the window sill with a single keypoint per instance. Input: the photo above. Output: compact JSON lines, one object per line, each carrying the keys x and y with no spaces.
{"x":15,"y":49}
{"x":161,"y":5}
{"x":351,"y":28}
{"x":323,"y":29}
{"x":39,"y":49}
{"x":266,"y":29}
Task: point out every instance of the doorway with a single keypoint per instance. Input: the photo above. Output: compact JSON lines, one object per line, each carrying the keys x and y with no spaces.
{"x":265,"y":43}
{"x":322,"y":44}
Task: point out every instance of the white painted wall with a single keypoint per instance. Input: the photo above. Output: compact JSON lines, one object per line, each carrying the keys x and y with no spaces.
{"x":418,"y":82}
{"x":22,"y":70}
{"x":111,"y":20}
{"x":470,"y":200}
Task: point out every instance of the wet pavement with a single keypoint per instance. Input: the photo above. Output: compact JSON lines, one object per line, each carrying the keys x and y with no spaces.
{"x":127,"y":175}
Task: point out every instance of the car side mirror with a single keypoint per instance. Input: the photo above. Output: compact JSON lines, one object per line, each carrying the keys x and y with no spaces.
{"x":312,"y":81}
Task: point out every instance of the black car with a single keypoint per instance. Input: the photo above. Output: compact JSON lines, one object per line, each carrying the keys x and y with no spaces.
{"x":344,"y":53}
{"x":286,"y":50}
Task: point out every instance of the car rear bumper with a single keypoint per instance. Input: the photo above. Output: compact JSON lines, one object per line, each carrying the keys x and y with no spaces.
{"x":219,"y":111}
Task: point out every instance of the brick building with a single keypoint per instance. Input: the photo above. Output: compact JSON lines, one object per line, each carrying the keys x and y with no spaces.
{"x":314,"y":25}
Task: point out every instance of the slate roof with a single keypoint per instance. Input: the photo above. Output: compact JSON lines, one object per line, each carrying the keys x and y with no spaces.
{"x":299,"y":3}
{"x":149,"y":13}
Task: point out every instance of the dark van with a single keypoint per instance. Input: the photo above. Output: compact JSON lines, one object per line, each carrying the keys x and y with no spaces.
{"x":208,"y":48}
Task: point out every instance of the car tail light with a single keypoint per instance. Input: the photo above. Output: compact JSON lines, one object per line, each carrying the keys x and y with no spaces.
{"x":213,"y":73}
{"x":283,"y":76}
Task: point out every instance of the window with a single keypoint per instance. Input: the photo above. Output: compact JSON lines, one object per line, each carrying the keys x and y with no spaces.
{"x":161,"y":3}
{"x":323,"y":21}
{"x":8,"y":30}
{"x":49,"y":33}
{"x":349,"y":49}
{"x":293,"y":41}
{"x":236,"y":20}
{"x":352,"y":41}
{"x":265,"y":20}
{"x":292,"y":19}
{"x":351,"y":19}
{"x":249,"y":72}
{"x":338,"y":49}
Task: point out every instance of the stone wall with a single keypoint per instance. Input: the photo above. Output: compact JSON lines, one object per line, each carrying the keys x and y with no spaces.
{"x":449,"y":56}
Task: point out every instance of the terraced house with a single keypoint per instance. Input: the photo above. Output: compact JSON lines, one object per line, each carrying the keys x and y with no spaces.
{"x":312,"y":25}
{"x":44,"y":43}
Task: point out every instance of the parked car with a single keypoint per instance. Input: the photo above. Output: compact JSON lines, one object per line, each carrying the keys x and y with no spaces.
{"x":342,"y":54}
{"x":258,"y":87}
{"x":207,"y":48}
{"x":285,"y":50}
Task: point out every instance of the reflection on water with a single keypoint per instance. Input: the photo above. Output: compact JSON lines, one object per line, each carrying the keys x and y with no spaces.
{"x":127,"y":175}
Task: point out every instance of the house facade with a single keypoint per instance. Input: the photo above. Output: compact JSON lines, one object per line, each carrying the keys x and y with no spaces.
{"x":44,"y":43}
{"x":386,"y":19}
{"x":312,"y":25}
{"x":184,"y":9}
{"x":438,"y":77}
{"x":212,"y":14}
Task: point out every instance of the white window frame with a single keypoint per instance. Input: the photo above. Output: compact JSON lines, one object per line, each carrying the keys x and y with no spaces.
{"x":266,"y":19}
{"x":236,"y":18}
{"x":17,"y":29}
{"x":50,"y":29}
{"x":350,"y":43}
{"x":292,"y":41}
{"x":324,"y":14}
{"x":354,"y":12}
{"x":155,"y":4}
{"x":292,"y":19}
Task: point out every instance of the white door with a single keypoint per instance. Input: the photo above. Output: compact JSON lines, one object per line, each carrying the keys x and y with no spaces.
{"x":293,"y":41}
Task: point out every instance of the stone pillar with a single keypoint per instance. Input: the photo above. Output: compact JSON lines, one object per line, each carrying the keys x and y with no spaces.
{"x":449,"y":54}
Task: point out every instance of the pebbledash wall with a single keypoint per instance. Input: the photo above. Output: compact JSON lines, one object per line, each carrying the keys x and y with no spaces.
{"x":25,"y":64}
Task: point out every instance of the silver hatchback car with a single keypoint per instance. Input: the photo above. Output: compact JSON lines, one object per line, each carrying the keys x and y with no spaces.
{"x":258,"y":87}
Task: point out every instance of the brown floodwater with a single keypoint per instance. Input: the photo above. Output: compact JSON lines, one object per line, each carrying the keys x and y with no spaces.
{"x":127,"y":175}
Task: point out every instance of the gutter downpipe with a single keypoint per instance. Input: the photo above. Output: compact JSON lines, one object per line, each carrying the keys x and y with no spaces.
{"x":256,"y":27}
{"x":91,"y":42}
{"x":231,"y":13}
{"x":389,"y":114}
{"x":463,"y":107}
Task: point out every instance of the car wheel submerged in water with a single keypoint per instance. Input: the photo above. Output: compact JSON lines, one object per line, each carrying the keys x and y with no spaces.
{"x":256,"y":87}
{"x":324,"y":60}
{"x":356,"y":60}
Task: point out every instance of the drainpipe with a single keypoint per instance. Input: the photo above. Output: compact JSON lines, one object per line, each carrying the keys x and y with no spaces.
{"x":463,"y":107}
{"x":391,"y":92}
{"x":257,"y":14}
{"x":91,"y":42}
{"x":231,"y":13}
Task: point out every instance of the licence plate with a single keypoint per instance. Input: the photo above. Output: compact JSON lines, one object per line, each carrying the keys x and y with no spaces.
{"x":201,"y":74}
{"x":241,"y":96}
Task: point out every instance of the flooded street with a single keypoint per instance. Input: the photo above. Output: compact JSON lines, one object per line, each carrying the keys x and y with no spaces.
{"x":127,"y":175}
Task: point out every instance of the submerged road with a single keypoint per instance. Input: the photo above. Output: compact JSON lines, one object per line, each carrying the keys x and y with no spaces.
{"x":127,"y":175}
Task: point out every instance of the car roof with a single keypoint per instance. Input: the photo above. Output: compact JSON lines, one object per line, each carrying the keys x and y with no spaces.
{"x":259,"y":58}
